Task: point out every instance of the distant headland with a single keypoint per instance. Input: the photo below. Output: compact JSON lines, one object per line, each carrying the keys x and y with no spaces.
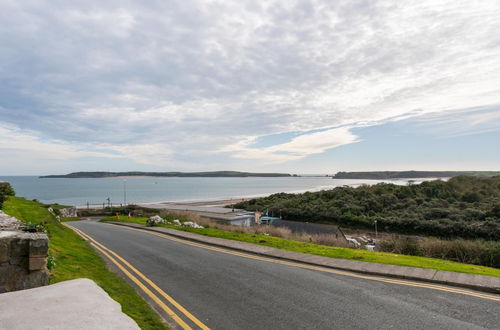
{"x":386,"y":175}
{"x":216,"y":174}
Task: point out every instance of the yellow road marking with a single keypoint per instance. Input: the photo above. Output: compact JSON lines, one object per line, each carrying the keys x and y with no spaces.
{"x":322,"y":269}
{"x":136,"y":281}
{"x":104,"y":250}
{"x":147,"y":280}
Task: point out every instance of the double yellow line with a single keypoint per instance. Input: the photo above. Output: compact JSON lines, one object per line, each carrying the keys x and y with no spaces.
{"x":324,"y":269}
{"x":115,"y":258}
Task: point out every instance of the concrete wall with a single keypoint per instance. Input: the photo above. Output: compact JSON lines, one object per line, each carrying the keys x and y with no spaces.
{"x":23,"y":260}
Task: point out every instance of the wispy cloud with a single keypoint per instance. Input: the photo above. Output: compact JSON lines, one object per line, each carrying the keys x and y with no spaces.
{"x":298,"y":147}
{"x":15,"y":141}
{"x":20,"y":144}
{"x":461,"y":122}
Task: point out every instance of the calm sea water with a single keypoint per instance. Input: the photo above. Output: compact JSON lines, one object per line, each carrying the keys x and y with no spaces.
{"x":148,"y":189}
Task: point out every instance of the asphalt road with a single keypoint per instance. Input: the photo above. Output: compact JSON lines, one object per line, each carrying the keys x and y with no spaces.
{"x":226,"y":291}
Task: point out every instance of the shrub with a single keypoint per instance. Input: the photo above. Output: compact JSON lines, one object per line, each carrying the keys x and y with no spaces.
{"x":477,"y":252}
{"x":466,"y":207}
{"x":5,"y":191}
{"x":406,"y":245}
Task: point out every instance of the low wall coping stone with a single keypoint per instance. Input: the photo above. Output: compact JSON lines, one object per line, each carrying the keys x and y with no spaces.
{"x":77,"y":304}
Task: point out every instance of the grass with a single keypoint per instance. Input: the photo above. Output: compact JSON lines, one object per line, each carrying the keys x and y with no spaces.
{"x":56,"y":206}
{"x":328,"y":251}
{"x":75,"y":258}
{"x":66,"y":219}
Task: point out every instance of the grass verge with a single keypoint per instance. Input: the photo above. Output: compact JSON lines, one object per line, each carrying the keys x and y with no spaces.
{"x":328,"y":251}
{"x":75,"y":258}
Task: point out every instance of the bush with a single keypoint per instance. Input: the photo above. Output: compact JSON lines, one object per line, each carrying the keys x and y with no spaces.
{"x":465,"y":207}
{"x":477,"y":252}
{"x":5,"y":191}
{"x":407,"y":245}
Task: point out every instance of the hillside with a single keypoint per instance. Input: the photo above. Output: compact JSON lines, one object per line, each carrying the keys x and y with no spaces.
{"x":464,"y":206}
{"x":165,"y":174}
{"x":386,"y":175}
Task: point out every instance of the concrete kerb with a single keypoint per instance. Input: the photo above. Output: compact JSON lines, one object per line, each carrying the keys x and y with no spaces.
{"x":78,"y":304}
{"x":470,"y":281}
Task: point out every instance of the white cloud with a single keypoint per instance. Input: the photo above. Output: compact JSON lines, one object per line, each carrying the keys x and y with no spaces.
{"x":297,"y":148}
{"x":462,"y":122}
{"x":149,"y":154}
{"x":115,"y":22}
{"x":15,"y":143}
{"x":192,"y":77}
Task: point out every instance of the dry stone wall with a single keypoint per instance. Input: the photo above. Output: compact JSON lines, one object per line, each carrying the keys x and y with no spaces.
{"x":68,"y":212}
{"x":23,"y":257}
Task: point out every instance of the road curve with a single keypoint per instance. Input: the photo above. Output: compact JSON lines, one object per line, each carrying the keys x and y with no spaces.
{"x":225,"y":291}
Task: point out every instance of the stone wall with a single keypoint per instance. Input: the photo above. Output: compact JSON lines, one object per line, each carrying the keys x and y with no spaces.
{"x":23,"y":259}
{"x":68,"y":212}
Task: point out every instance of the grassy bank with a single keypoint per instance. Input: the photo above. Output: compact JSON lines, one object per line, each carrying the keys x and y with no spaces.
{"x":244,"y":234}
{"x":75,"y":258}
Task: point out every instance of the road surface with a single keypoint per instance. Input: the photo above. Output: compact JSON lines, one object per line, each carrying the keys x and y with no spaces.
{"x":229,"y":291}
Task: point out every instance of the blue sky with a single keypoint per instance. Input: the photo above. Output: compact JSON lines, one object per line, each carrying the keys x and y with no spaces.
{"x":301,"y":87}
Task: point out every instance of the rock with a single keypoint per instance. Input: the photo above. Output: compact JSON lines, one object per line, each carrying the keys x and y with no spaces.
{"x":8,"y":222}
{"x":155,"y":220}
{"x":177,"y":222}
{"x":38,"y":245}
{"x":69,"y":212}
{"x":37,"y":263}
{"x":192,"y":224}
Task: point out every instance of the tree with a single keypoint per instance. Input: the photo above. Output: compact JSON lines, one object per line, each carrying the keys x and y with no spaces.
{"x":5,"y":190}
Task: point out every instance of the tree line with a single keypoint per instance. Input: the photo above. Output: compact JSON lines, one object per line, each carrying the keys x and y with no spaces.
{"x":388,"y":175}
{"x":215,"y":174}
{"x":464,"y":206}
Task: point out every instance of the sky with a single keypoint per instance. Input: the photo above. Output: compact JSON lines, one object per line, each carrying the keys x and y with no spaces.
{"x":284,"y":86}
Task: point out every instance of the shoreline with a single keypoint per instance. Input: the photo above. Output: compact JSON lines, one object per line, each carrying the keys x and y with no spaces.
{"x":217,"y":201}
{"x":228,"y":200}
{"x":224,"y":201}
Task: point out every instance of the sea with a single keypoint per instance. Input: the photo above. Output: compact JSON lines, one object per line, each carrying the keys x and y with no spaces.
{"x":129,"y":190}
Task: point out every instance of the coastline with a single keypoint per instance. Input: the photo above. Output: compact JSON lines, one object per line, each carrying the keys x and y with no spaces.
{"x":224,"y":201}
{"x":210,"y":192}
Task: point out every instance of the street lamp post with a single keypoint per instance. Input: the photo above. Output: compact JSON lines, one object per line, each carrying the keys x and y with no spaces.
{"x":124,"y":191}
{"x":376,"y":233}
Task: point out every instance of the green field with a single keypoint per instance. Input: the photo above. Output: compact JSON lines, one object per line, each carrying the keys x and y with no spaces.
{"x":75,"y":258}
{"x":329,"y":251}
